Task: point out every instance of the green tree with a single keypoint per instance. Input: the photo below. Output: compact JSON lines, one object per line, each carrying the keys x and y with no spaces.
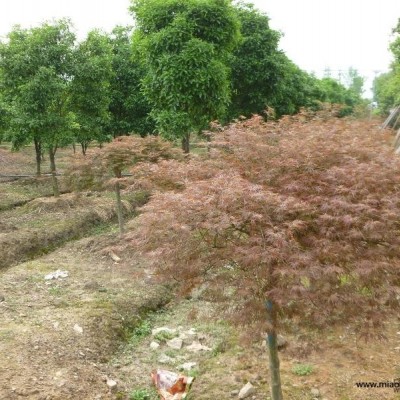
{"x":36,"y":70}
{"x":185,"y":45}
{"x":295,"y":89}
{"x":395,"y":45}
{"x":129,"y":109}
{"x":387,"y":86}
{"x":355,"y":83}
{"x":90,"y":89}
{"x":256,"y":64}
{"x":387,"y":89}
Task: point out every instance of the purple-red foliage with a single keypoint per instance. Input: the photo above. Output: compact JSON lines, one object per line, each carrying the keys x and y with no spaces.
{"x":304,"y":212}
{"x":105,"y":166}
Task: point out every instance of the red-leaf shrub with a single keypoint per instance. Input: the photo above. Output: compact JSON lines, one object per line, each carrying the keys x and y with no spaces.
{"x":304,"y":212}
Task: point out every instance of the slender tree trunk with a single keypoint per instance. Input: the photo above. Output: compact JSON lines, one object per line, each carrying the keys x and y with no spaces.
{"x":56,"y":190}
{"x":276,"y":387}
{"x":84,"y":146}
{"x":186,"y":143}
{"x":38,"y":151}
{"x":74,"y":147}
{"x":119,"y":208}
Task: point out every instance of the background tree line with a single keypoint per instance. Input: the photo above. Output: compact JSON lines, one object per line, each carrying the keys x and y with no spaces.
{"x":387,"y":85}
{"x":185,"y":63}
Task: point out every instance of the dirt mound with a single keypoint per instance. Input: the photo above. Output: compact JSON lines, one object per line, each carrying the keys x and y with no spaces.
{"x":63,"y":203}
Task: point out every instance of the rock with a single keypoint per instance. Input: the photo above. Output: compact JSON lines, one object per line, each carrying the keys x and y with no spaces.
{"x":56,"y":275}
{"x":114,"y":257}
{"x":155,"y":331}
{"x":164,"y":359}
{"x":234,"y":393}
{"x":191,"y":332}
{"x":188,"y":366}
{"x":196,"y":347}
{"x":78,"y":329}
{"x":154,"y":345}
{"x":2,"y":298}
{"x":315,"y":392}
{"x":112,"y":385}
{"x":175,"y":343}
{"x":246,"y":391}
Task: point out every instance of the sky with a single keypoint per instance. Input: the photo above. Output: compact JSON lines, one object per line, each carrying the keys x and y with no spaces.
{"x":318,"y":34}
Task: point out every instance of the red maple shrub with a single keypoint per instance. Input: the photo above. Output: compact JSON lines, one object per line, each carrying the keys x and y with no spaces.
{"x":302,"y":214}
{"x":103,"y":168}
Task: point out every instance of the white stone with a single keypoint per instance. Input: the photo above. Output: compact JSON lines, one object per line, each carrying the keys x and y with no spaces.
{"x":56,"y":275}
{"x":187,"y":366}
{"x":196,"y":347}
{"x":111,"y":384}
{"x":175,"y":343}
{"x":78,"y":329}
{"x":315,"y":392}
{"x":154,"y":345}
{"x":114,"y":257}
{"x":246,"y":391}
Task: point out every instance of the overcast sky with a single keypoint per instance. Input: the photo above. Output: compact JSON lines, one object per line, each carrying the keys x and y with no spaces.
{"x":318,"y":34}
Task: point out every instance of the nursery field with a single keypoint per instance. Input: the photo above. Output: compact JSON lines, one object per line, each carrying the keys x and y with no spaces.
{"x":82,"y":317}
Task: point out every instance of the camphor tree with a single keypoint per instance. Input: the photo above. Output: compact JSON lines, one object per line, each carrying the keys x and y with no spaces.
{"x":256,"y":64}
{"x":90,"y":88}
{"x":184,"y":46}
{"x":129,"y":109}
{"x":36,"y":69}
{"x":293,"y":223}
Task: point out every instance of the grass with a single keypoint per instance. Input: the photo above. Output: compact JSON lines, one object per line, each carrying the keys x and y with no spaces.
{"x":143,"y":394}
{"x":163,"y":336}
{"x":135,"y":331}
{"x":302,"y":369}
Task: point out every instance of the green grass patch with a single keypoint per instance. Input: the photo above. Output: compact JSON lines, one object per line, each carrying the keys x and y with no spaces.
{"x":143,"y":394}
{"x":302,"y":369}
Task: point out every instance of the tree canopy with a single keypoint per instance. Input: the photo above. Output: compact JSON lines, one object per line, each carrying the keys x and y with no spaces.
{"x":36,"y":68}
{"x":387,"y":85}
{"x":184,"y":45}
{"x":90,"y":88}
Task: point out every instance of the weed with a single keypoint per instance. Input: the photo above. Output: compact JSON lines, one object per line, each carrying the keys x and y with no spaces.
{"x":55,"y":290}
{"x":143,"y":329}
{"x":219,"y":348}
{"x":302,"y":369}
{"x":171,"y":353}
{"x":163,"y":336}
{"x":143,"y":394}
{"x":194,"y":373}
{"x":135,"y":332}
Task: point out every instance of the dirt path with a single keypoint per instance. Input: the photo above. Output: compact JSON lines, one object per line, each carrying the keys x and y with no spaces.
{"x":56,"y":336}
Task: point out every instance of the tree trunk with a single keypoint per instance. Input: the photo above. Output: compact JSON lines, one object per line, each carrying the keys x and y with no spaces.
{"x":276,"y":387}
{"x":38,"y":151}
{"x":74,"y":147}
{"x":186,"y":143}
{"x":84,"y":146}
{"x":119,"y":208}
{"x":56,"y":190}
